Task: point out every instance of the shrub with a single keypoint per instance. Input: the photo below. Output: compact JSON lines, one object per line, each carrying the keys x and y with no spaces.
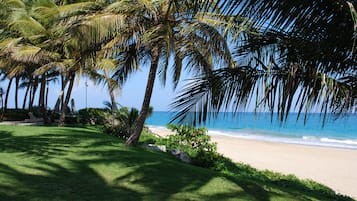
{"x":124,"y":123}
{"x":94,"y":116}
{"x":16,"y":114}
{"x":196,"y":143}
{"x":37,"y":111}
{"x":148,"y":137}
{"x":119,"y":130}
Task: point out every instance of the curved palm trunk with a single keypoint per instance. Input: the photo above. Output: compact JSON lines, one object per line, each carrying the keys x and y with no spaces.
{"x":66,"y":101}
{"x":7,"y":94}
{"x":25,"y":97}
{"x":139,"y":124}
{"x":112,"y":99}
{"x":114,"y":104}
{"x":26,"y":94}
{"x":59,"y":101}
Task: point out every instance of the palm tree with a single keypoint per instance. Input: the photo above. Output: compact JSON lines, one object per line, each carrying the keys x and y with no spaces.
{"x":101,"y":73}
{"x":46,"y":35}
{"x":156,"y":31}
{"x":298,"y":60}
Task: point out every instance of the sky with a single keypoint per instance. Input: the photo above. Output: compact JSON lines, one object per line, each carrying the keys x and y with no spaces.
{"x":132,"y":93}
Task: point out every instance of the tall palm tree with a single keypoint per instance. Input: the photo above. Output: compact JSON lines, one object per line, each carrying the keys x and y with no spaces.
{"x":156,"y":31}
{"x":47,"y":36}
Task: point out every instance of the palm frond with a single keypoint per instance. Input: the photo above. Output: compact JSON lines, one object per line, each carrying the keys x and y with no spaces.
{"x":8,"y":44}
{"x":60,"y":66}
{"x":25,"y":25}
{"x":33,"y":54}
{"x":281,"y":90}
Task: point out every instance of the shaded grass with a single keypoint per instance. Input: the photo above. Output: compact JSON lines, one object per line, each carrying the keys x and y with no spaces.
{"x":50,"y":163}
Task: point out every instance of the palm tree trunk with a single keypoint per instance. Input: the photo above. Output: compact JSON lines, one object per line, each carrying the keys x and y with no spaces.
{"x":41,"y":100}
{"x":26,"y":94}
{"x":34,"y":90}
{"x":112,"y":99}
{"x":68,"y":96}
{"x":17,"y":80}
{"x":59,"y":101}
{"x":7,"y":94}
{"x":139,"y":124}
{"x":30,"y":98}
{"x":69,"y":91}
{"x":46,"y":98}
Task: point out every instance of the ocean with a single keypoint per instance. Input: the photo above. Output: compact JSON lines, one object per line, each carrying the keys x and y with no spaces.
{"x":336,"y":132}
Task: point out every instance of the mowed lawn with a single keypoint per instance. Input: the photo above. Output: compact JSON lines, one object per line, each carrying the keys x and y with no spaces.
{"x":51,"y":163}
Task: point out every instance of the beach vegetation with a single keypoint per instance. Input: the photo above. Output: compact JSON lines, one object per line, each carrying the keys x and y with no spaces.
{"x":179,"y":31}
{"x":194,"y":142}
{"x":298,"y":61}
{"x":123,"y":122}
{"x":94,"y":116}
{"x":80,"y":163}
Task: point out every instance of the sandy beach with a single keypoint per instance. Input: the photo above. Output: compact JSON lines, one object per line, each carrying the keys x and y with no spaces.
{"x":336,"y":168}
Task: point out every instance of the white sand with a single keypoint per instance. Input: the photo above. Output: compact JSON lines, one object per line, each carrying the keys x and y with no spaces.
{"x":336,"y":168}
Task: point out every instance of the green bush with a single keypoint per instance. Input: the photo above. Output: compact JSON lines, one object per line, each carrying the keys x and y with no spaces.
{"x":148,"y":137}
{"x":124,"y":123}
{"x":37,"y":111}
{"x":120,"y":130}
{"x":22,"y":114}
{"x":196,"y":143}
{"x":16,"y":115}
{"x":94,"y":116}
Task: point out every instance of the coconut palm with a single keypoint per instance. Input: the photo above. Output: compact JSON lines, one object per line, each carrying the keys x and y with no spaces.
{"x":102,"y":74}
{"x":156,"y":31}
{"x":300,"y":60}
{"x":46,"y":35}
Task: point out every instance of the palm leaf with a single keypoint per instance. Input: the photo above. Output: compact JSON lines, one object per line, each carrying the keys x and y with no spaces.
{"x":278,"y":90}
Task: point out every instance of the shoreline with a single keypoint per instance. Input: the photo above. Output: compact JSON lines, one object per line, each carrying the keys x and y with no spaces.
{"x":304,"y":141}
{"x":331,"y":166}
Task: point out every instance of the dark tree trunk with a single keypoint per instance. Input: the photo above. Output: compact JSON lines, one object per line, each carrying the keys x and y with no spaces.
{"x":46,"y":98}
{"x":139,"y":124}
{"x":7,"y":94}
{"x":34,"y":90}
{"x":64,"y":84}
{"x":66,"y":101}
{"x":30,"y":98}
{"x":59,"y":101}
{"x":69,"y":91}
{"x":41,"y":100}
{"x":17,"y":81}
{"x":26,"y":94}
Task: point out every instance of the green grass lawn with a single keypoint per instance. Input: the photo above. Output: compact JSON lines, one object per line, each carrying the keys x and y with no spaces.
{"x":51,"y":163}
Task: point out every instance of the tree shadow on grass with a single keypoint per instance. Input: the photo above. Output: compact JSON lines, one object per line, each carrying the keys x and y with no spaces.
{"x":72,"y":164}
{"x":59,"y":183}
{"x":45,"y":146}
{"x":48,"y":145}
{"x":86,"y":180}
{"x":82,"y":164}
{"x":162,"y":177}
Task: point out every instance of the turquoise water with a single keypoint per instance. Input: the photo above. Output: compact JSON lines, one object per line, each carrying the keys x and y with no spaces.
{"x":340,"y":132}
